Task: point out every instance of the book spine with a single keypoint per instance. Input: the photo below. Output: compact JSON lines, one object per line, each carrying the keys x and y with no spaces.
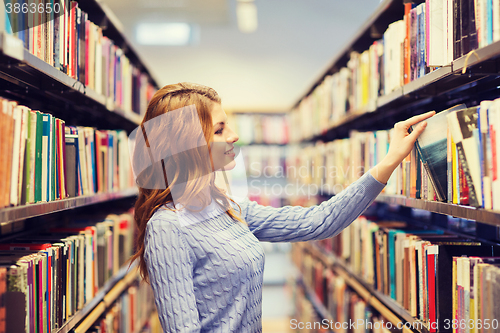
{"x":427,"y":30}
{"x":495,"y":20}
{"x":457,"y":48}
{"x":418,"y":193}
{"x":53,"y":162}
{"x":431,"y":282}
{"x":464,"y":185}
{"x":472,"y":195}
{"x":422,"y":36}
{"x":473,"y":38}
{"x":419,"y":32}
{"x":455,"y":172}
{"x":449,"y":165}
{"x":465,"y":26}
{"x":495,"y":136}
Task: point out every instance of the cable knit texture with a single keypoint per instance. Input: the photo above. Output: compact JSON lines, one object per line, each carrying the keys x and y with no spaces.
{"x":206,"y":269}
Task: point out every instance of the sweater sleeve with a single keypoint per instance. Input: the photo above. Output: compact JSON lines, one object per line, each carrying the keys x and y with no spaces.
{"x":295,"y":223}
{"x":170,"y":269}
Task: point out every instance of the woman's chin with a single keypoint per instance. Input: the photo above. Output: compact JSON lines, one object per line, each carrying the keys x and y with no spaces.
{"x":228,"y":166}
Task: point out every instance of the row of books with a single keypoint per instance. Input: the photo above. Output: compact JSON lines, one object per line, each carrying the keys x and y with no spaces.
{"x":455,"y":159}
{"x":260,"y":129}
{"x":62,"y":35}
{"x":431,"y":34}
{"x":414,"y":267}
{"x":52,"y":275}
{"x":265,"y":160}
{"x":476,"y":286}
{"x":304,"y":315}
{"x":44,"y":160}
{"x":347,"y":310}
{"x":334,"y":165}
{"x":133,"y":312}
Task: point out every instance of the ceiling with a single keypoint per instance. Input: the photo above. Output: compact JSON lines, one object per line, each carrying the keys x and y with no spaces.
{"x":264,"y":71}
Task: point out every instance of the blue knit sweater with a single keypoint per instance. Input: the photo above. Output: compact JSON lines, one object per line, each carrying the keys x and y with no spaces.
{"x":206,"y":269}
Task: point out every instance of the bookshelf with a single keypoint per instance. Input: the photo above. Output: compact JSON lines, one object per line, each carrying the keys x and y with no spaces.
{"x":32,"y":82}
{"x":383,"y":304}
{"x":438,"y":89}
{"x":105,"y":297}
{"x":466,"y":212}
{"x":27,"y":78}
{"x":316,"y":303}
{"x":469,"y":79}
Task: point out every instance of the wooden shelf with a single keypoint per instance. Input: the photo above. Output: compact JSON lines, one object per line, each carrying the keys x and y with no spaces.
{"x":32,"y":210}
{"x":426,"y":80}
{"x":477,"y":57}
{"x":486,"y":216}
{"x":125,"y":276}
{"x":466,"y":212}
{"x":316,"y":303}
{"x":390,"y":97}
{"x":386,"y":306}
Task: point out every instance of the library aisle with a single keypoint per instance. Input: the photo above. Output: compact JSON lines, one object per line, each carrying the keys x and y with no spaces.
{"x":251,"y":166}
{"x":276,"y":298}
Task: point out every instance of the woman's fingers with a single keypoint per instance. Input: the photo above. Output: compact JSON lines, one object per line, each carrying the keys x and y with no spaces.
{"x":417,"y":131}
{"x":416,"y":119}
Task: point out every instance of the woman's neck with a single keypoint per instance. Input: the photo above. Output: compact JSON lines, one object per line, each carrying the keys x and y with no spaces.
{"x":197,"y":201}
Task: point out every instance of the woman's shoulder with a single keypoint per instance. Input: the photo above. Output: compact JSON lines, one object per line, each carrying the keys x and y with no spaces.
{"x":163,"y":223}
{"x":164,"y":216}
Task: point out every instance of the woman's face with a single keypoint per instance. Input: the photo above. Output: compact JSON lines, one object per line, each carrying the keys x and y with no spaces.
{"x":223,"y":140}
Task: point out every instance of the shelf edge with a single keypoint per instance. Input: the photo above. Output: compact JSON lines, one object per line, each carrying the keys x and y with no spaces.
{"x":12,"y":214}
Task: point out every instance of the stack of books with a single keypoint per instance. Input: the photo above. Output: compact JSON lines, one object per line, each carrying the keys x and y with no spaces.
{"x":44,"y":160}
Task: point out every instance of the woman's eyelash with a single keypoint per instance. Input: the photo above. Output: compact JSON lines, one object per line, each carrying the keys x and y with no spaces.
{"x":219,"y":131}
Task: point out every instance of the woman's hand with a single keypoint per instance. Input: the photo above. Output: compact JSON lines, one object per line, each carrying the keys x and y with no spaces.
{"x":401,"y":145}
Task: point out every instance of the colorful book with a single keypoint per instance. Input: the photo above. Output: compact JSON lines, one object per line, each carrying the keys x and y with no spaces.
{"x":462,"y":125}
{"x":433,"y":149}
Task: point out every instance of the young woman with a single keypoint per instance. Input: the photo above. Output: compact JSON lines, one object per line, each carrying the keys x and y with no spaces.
{"x":197,"y":247}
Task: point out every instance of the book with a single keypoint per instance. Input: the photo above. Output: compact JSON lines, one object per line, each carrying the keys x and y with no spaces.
{"x":433,"y":150}
{"x":71,"y":142}
{"x":16,"y":147}
{"x":436,"y":34}
{"x":462,"y":124}
{"x":39,"y":157}
{"x":457,"y":35}
{"x":30,"y":158}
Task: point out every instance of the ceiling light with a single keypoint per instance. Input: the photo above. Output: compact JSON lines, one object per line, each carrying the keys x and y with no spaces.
{"x":163,"y":33}
{"x":246,"y":13}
